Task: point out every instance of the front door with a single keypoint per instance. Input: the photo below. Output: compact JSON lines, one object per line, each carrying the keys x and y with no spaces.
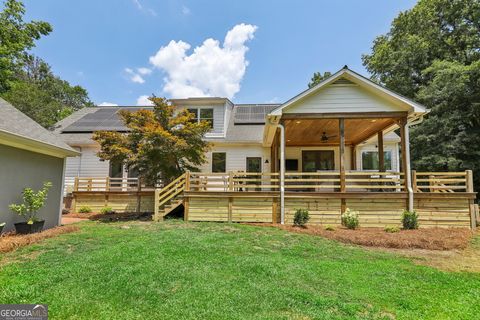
{"x":316,"y":160}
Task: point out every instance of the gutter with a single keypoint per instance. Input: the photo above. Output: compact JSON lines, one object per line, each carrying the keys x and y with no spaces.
{"x":409,"y":169}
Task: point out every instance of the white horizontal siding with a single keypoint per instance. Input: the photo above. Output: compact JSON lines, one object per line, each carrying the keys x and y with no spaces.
{"x":87,"y":165}
{"x":236,"y":157}
{"x":342,"y":98}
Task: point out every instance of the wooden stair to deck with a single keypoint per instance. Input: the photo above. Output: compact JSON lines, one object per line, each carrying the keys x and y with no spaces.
{"x":169,"y":197}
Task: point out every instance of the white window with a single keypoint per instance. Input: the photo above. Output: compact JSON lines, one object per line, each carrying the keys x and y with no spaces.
{"x":370,"y":160}
{"x":202,"y":114}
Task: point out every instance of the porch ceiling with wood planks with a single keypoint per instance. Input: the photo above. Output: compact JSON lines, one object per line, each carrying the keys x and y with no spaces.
{"x":308,"y":132}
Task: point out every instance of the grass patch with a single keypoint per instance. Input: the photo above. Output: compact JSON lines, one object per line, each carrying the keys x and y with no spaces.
{"x":142,"y":270}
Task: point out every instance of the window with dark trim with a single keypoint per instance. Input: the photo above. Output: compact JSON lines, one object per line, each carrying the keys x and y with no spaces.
{"x":219,"y":162}
{"x":202,"y":114}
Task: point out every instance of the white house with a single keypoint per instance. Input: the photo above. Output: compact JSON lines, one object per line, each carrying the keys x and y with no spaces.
{"x":238,"y":135}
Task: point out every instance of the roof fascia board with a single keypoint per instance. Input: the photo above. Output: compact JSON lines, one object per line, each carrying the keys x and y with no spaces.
{"x":13,"y":140}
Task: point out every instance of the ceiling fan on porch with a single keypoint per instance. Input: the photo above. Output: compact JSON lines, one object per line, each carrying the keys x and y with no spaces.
{"x":325,"y":138}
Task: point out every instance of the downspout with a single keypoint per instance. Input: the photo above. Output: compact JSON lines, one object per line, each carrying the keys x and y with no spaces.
{"x":407,"y":156}
{"x":282,"y":173}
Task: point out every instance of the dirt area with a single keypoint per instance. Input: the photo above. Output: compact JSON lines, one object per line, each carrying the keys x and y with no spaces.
{"x":117,"y":216}
{"x":430,"y":239}
{"x":448,"y":249}
{"x":11,"y":241}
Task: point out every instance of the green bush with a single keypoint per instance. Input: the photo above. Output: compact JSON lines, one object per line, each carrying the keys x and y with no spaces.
{"x":301,"y":217}
{"x":410,"y":220}
{"x":85,"y":209}
{"x":107,"y":210}
{"x":32,"y":202}
{"x":329,"y":228}
{"x":392,"y":229}
{"x":350,"y":219}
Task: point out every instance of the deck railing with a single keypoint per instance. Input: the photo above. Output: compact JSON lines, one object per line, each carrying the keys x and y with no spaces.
{"x":326,"y":181}
{"x":106,"y":184}
{"x":297,"y":181}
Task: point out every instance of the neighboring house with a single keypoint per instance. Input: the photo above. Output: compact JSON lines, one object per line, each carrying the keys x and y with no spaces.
{"x":237,"y":139}
{"x":29,"y":156}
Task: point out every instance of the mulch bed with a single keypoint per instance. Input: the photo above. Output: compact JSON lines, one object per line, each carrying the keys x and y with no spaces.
{"x":11,"y":241}
{"x":117,"y":216}
{"x":429,"y":239}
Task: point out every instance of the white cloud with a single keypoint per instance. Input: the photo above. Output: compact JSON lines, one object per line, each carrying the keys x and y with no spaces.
{"x":144,"y":71}
{"x":186,"y":10}
{"x":210,"y":70}
{"x":143,"y":101}
{"x":108,"y":104}
{"x":136,"y":76}
{"x":142,"y":8}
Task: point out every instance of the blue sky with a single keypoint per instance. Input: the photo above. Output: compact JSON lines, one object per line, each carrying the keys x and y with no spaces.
{"x":102,"y":44}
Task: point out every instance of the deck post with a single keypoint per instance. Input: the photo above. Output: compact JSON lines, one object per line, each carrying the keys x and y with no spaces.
{"x":75,"y":184}
{"x":187,"y":181}
{"x":381,"y":159}
{"x":282,"y":173}
{"x":471,"y":204}
{"x":341,"y":125}
{"x":230,"y":181}
{"x":404,"y":135}
{"x":353,"y":158}
{"x":156,"y":209}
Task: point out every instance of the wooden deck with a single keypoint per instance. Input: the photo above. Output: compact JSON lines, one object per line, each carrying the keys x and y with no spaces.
{"x":442,"y":199}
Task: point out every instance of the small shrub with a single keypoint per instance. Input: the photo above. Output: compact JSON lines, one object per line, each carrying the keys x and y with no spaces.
{"x":350,"y":219}
{"x":301,"y":217}
{"x":32,"y":202}
{"x":409,"y":220}
{"x":107,"y":210}
{"x":85,"y":209}
{"x":392,"y":229}
{"x":329,"y":228}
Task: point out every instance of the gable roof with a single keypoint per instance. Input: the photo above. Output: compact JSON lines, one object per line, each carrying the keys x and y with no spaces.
{"x":346,"y":74}
{"x":18,"y":130}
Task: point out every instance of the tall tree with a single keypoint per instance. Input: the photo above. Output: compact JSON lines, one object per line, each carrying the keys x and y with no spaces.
{"x":318,"y":77}
{"x":432,"y":54}
{"x":160,"y":144}
{"x":27,"y":82}
{"x":16,"y":38}
{"x":41,"y":95}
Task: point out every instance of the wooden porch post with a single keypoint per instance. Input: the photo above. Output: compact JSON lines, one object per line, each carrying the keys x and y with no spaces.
{"x":381,"y":159}
{"x":353,"y":157}
{"x":341,"y":125}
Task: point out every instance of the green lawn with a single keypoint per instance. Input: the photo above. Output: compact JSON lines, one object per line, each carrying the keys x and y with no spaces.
{"x":174,"y":270}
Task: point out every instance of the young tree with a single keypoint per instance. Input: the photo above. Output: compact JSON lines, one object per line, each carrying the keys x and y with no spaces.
{"x":432,"y":54}
{"x":160,"y":144}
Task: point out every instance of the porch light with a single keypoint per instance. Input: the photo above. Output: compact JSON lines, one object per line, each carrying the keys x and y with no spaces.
{"x":266,"y":161}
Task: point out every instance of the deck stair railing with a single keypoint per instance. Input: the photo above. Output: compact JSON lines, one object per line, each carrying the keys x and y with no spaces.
{"x":169,"y":197}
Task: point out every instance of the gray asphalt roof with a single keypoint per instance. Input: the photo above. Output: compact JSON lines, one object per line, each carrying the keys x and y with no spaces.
{"x":15,"y":122}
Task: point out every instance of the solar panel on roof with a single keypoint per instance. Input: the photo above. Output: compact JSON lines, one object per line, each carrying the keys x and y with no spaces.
{"x":101,"y":119}
{"x":252,"y":114}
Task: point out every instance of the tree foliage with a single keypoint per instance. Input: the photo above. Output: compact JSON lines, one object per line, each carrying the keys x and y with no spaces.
{"x":16,"y":38}
{"x":32,"y":202}
{"x":432,"y":54}
{"x":42,"y":96}
{"x":26,"y":81}
{"x":161,"y":143}
{"x":318,"y":77}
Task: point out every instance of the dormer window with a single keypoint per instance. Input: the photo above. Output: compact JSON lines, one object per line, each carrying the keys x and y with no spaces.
{"x":202,"y":114}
